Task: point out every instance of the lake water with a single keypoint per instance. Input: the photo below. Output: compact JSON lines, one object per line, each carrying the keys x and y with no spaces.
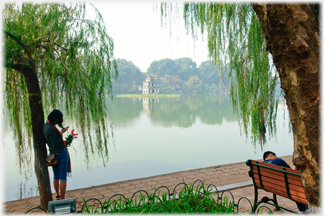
{"x":153,"y":137}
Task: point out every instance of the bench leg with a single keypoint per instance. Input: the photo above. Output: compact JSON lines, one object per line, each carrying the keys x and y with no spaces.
{"x":266,"y":200}
{"x":255,"y":203}
{"x":275,"y":202}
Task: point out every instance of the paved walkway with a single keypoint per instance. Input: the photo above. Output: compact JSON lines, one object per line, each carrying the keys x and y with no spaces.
{"x":230,"y":176}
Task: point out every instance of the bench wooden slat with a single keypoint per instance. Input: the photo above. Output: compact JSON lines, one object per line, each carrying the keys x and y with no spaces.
{"x":280,"y":183}
{"x":275,"y":172}
{"x":280,"y":188}
{"x":297,"y":199}
{"x":274,"y":166}
{"x":279,"y":176}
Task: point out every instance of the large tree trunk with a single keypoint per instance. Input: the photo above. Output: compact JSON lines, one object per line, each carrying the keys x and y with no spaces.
{"x":291,"y":32}
{"x":37,"y":117}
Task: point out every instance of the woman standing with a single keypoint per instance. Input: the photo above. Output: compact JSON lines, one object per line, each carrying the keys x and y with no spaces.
{"x":55,"y":142}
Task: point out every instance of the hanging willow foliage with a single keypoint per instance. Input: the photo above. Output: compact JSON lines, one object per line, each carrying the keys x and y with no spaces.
{"x":235,"y":39}
{"x":73,"y":58}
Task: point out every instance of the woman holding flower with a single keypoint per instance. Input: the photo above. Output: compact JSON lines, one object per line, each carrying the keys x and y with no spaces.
{"x":56,"y":144}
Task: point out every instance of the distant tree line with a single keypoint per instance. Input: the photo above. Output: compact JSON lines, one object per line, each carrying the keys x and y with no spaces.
{"x":130,"y":77}
{"x":175,"y":76}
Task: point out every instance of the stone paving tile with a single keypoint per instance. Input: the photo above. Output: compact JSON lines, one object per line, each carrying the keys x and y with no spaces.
{"x":147,"y":180}
{"x":92,"y":193}
{"x":18,"y":208}
{"x":136,"y":183}
{"x":218,"y":175}
{"x":113,"y":186}
{"x":140,"y":186}
{"x":128,"y":188}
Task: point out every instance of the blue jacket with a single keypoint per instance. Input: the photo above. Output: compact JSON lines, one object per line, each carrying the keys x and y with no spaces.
{"x":278,"y":162}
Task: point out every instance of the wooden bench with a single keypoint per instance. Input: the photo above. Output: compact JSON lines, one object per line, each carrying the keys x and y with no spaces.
{"x":278,"y":180}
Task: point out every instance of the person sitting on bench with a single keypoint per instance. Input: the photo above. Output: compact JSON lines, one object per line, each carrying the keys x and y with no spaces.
{"x":271,"y":158}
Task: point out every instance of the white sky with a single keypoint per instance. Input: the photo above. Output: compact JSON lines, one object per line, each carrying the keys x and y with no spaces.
{"x":139,"y":37}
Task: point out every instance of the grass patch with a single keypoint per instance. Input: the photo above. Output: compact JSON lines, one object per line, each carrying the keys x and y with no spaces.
{"x":187,"y":201}
{"x":148,"y":96}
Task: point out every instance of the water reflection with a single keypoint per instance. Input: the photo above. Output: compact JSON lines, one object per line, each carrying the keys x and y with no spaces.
{"x":150,"y":103}
{"x":168,"y":112}
{"x":25,"y":191}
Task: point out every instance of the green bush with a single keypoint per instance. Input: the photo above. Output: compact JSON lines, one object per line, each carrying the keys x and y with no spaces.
{"x":187,"y":201}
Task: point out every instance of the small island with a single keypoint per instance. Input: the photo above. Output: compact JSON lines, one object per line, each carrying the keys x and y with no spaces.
{"x":150,"y":90}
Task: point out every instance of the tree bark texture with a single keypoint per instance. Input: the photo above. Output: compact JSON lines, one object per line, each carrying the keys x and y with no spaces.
{"x":37,"y":117}
{"x":292,"y":36}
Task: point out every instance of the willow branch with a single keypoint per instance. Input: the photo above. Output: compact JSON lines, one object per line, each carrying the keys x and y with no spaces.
{"x":18,"y":40}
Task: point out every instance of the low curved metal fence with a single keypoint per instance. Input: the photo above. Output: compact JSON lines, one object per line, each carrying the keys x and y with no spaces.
{"x":30,"y":210}
{"x":99,"y":207}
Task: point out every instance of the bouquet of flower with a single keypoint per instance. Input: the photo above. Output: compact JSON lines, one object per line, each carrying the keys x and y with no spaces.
{"x":70,"y":138}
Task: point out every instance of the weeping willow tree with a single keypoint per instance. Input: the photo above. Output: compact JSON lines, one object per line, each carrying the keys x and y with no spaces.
{"x":54,"y":53}
{"x":253,"y":77}
{"x":249,"y":37}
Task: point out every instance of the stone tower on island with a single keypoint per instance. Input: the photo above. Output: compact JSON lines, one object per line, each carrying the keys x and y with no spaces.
{"x":150,"y":85}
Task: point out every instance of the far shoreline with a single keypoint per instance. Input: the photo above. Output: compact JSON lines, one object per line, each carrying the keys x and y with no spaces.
{"x":149,"y":96}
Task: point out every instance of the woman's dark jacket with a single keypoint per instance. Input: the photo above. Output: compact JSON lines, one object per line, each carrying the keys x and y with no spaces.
{"x":53,"y":138}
